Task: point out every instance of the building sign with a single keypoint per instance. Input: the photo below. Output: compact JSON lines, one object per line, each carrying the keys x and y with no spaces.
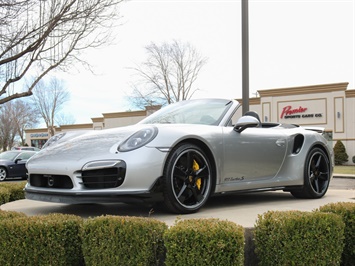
{"x":288,"y":112}
{"x":305,"y":112}
{"x":39,"y":135}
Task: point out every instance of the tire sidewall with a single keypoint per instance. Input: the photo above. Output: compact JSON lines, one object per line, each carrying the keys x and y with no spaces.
{"x":307,"y":182}
{"x":170,"y":199}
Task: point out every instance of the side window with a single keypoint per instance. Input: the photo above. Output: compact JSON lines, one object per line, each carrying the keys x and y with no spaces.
{"x":24,"y":156}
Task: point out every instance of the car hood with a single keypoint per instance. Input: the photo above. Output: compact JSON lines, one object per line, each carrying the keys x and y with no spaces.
{"x":99,"y":144}
{"x":86,"y":144}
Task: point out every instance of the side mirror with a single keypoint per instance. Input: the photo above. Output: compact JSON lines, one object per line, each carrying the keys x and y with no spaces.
{"x":246,"y":121}
{"x":17,"y":160}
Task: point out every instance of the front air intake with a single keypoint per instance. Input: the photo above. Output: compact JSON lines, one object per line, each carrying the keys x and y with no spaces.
{"x":103,"y":178}
{"x":50,"y":181}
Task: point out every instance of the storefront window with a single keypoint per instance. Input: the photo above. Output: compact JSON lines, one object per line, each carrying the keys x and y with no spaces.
{"x":38,"y":143}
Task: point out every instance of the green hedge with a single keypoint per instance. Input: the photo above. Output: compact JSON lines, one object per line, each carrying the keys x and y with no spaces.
{"x":347,"y":211}
{"x":115,"y":240}
{"x":204,"y":242}
{"x":41,"y":240}
{"x":299,"y":238}
{"x":323,"y":237}
{"x":10,"y":215}
{"x":4,"y":195}
{"x":15,"y":190}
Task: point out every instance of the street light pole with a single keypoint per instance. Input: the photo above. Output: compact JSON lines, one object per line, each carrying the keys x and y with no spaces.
{"x":245,"y":56}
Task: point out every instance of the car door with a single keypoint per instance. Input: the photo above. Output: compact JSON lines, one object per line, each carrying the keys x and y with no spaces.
{"x":19,"y":166}
{"x":255,"y":154}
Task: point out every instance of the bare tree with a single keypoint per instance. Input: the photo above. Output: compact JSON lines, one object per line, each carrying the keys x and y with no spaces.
{"x":48,"y":100}
{"x":168,"y":74}
{"x":64,"y":119}
{"x":38,"y":36}
{"x":7,"y":127}
{"x":24,"y":116}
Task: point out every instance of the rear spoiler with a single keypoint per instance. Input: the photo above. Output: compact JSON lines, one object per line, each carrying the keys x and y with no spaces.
{"x":320,"y":130}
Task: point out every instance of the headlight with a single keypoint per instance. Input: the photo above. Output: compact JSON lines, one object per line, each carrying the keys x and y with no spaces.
{"x":53,"y":139}
{"x":138,"y":139}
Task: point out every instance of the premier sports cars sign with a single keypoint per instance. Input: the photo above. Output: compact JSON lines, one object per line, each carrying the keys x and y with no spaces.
{"x":303,"y":112}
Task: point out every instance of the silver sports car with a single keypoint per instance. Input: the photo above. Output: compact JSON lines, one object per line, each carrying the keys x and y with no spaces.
{"x":181,"y":155}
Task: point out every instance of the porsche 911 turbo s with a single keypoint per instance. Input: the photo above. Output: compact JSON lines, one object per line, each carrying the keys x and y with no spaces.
{"x":181,"y":155}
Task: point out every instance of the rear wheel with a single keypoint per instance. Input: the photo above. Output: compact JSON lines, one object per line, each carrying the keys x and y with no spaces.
{"x":3,"y":173}
{"x":187,"y":179}
{"x":316,"y":175}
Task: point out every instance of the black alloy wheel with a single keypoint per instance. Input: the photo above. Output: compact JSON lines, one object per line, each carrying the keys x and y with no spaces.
{"x":187,"y":179}
{"x":317,"y":175}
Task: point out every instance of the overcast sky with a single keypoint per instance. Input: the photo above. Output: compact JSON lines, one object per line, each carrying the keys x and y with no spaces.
{"x":291,"y":43}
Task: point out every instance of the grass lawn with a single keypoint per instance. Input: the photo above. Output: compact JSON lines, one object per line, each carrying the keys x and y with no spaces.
{"x":344,"y":169}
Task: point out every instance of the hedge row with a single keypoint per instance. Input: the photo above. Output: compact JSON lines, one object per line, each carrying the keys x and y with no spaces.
{"x":11,"y":191}
{"x":59,"y":239}
{"x":323,"y":237}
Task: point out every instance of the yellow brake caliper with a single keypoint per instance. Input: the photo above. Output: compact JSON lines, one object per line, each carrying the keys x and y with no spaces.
{"x":196,"y":167}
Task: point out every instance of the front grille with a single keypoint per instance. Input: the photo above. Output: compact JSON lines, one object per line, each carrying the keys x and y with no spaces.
{"x":104,"y":178}
{"x":50,"y":181}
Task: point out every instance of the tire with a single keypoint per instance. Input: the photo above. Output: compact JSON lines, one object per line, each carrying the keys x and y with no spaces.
{"x":3,"y":173}
{"x":316,"y":176}
{"x":187,"y":179}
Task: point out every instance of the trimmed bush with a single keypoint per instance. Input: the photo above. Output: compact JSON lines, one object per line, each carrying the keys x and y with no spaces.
{"x":10,"y":215}
{"x":204,"y":242}
{"x":4,"y":195}
{"x":115,"y":240}
{"x":299,"y":238}
{"x":41,"y":240}
{"x":347,"y":211}
{"x":16,"y":190}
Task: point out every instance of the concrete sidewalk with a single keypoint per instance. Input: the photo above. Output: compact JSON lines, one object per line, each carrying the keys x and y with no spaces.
{"x":242,"y":209}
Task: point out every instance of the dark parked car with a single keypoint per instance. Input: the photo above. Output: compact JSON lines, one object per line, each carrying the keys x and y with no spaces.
{"x":12,"y":164}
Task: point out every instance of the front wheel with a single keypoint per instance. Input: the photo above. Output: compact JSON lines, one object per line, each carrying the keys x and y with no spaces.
{"x":3,"y":174}
{"x":187,"y":179}
{"x":317,"y":175}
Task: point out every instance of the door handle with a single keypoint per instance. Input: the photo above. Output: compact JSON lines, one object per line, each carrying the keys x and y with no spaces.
{"x":280,"y":142}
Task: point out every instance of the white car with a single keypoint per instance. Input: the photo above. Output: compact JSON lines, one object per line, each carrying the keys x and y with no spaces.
{"x":180,"y":156}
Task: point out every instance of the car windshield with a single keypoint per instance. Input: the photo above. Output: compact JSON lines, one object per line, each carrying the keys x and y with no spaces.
{"x":8,"y":155}
{"x":206,"y":111}
{"x":12,"y":155}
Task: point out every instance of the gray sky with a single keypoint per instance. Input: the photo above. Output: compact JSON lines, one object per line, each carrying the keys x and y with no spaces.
{"x":291,"y":43}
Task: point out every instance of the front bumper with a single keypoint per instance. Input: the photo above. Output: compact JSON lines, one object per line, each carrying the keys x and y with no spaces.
{"x":121,"y":177}
{"x":84,"y":198}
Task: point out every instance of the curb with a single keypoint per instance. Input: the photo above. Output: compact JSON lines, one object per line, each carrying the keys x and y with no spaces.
{"x":349,"y":176}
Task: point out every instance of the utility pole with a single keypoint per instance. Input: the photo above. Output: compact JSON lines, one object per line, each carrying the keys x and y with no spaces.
{"x":245,"y":57}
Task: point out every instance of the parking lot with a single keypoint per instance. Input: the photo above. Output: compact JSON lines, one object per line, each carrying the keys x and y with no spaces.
{"x":242,"y":209}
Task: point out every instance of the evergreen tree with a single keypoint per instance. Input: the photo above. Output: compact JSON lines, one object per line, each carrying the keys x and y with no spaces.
{"x":340,"y":155}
